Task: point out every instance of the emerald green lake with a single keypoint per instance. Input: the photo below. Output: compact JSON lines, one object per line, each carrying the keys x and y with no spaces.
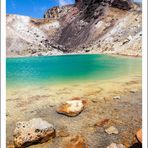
{"x":69,"y":68}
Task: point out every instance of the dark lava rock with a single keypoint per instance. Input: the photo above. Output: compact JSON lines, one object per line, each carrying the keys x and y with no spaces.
{"x":122,"y":4}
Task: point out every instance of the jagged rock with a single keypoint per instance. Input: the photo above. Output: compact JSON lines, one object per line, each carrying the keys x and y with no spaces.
{"x":139,"y":135}
{"x":58,"y":12}
{"x":114,"y":145}
{"x":122,"y":4}
{"x":71,"y":108}
{"x":111,"y":130}
{"x":33,"y":131}
{"x":75,"y":142}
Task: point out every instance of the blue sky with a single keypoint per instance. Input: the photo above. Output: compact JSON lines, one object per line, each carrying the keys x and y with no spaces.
{"x":138,"y":0}
{"x":33,"y":8}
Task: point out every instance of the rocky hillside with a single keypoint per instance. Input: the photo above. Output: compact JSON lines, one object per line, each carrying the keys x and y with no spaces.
{"x":89,"y":26}
{"x":27,"y":36}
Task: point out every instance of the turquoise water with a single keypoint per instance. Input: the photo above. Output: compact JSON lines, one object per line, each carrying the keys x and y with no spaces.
{"x":71,"y":68}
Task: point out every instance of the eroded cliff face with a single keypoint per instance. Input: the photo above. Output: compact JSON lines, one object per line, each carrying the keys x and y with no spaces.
{"x":93,"y":26}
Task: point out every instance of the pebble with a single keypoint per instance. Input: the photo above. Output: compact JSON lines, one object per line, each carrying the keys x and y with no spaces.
{"x":130,"y":37}
{"x":117,"y":97}
{"x":114,"y":145}
{"x":111,"y":130}
{"x":101,"y":123}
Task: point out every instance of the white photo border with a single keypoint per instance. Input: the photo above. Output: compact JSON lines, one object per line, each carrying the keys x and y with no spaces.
{"x":3,"y":73}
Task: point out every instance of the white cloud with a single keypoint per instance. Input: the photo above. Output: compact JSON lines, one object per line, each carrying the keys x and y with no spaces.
{"x":62,"y":2}
{"x":66,"y":2}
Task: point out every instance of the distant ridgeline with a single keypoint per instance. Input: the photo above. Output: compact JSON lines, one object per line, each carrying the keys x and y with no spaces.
{"x":57,"y":12}
{"x":94,"y":26}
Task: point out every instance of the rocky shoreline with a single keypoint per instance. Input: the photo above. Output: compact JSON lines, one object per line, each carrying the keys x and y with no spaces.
{"x":102,"y":133}
{"x":107,"y":115}
{"x":68,"y":54}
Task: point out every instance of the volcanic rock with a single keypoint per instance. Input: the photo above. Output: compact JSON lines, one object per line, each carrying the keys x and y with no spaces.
{"x":33,"y":131}
{"x":71,"y":108}
{"x":122,"y":4}
{"x":59,"y":12}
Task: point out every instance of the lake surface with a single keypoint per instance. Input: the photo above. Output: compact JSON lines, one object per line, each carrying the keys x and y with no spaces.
{"x":72,"y":68}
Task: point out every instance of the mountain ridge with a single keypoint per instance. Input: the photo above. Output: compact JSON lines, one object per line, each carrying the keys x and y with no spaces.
{"x":92,"y":26}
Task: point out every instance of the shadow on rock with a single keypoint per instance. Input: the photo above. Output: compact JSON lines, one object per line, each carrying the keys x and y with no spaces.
{"x":136,"y":145}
